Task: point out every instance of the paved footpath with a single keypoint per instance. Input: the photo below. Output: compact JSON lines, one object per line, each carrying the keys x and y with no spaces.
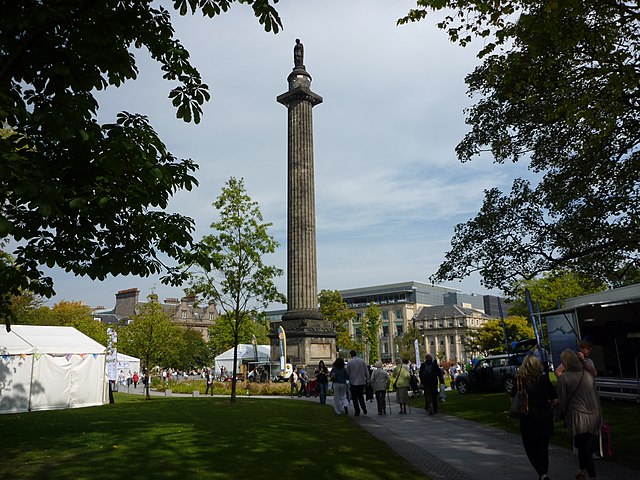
{"x":444,"y":447}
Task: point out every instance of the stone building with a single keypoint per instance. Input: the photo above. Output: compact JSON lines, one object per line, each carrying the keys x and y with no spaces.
{"x":443,"y":328}
{"x":401,"y":305}
{"x":186,"y":312}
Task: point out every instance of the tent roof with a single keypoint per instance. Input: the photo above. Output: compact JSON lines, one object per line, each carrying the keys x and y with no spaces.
{"x":245,"y":350}
{"x":12,"y":344}
{"x":62,"y":340}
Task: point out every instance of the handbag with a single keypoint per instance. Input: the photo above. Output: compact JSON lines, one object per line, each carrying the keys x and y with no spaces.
{"x":520,"y":401}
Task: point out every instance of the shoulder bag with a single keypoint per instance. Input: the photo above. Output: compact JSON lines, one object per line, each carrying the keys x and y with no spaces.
{"x":520,"y":401}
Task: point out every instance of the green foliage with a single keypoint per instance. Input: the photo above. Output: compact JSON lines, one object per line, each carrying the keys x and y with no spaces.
{"x":152,"y":336}
{"x":228,"y":265}
{"x":336,"y":310}
{"x":85,"y":196}
{"x":489,"y":339}
{"x":222,"y":333}
{"x":551,"y":290}
{"x":557,"y":87}
{"x":195,"y":353}
{"x":407,"y":346}
{"x":371,"y":325}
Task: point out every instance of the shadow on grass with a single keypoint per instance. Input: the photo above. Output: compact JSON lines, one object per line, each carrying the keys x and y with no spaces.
{"x":194,"y":438}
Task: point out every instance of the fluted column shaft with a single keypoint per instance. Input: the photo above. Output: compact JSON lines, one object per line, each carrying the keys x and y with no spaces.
{"x":302,"y":280}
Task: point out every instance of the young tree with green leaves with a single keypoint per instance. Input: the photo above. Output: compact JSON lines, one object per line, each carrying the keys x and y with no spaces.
{"x":228,"y":264}
{"x":85,"y":196}
{"x":557,"y":87}
{"x":407,"y":345}
{"x":195,"y":353}
{"x":370,"y":328}
{"x":337,"y":311}
{"x":153,"y":337}
{"x":489,"y":339}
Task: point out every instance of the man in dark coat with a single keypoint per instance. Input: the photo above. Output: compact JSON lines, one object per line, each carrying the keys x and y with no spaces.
{"x":430,"y":374}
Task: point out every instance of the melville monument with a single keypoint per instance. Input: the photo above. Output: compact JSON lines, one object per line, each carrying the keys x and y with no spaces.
{"x":309,"y":338}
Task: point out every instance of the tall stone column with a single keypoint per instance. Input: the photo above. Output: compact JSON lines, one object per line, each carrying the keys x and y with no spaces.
{"x":309,"y":337}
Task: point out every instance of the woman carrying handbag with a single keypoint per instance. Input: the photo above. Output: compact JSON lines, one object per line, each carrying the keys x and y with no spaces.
{"x":536,"y":426}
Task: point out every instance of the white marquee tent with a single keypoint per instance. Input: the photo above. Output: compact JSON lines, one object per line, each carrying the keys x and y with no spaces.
{"x":46,"y":368}
{"x":127,"y":362}
{"x":246,"y":354}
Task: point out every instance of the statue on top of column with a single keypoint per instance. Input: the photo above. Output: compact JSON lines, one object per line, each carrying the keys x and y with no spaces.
{"x":298,"y":54}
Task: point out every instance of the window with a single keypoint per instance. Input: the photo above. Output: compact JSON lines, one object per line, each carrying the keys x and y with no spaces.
{"x":442,"y":343}
{"x":461,"y":323}
{"x":450,"y":323}
{"x":211,"y":316}
{"x":452,"y":340}
{"x":399,"y":329}
{"x":385,"y":315}
{"x":399,"y":315}
{"x":431,"y":343}
{"x":441,"y":324}
{"x":385,"y":330}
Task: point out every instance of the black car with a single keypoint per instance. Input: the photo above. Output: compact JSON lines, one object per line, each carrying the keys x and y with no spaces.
{"x":495,"y":372}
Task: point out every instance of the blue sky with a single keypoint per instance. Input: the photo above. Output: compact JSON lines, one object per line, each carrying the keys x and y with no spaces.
{"x":389,"y":189}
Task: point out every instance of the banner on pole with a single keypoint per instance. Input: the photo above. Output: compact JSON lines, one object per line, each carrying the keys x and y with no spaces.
{"x":283,"y":347}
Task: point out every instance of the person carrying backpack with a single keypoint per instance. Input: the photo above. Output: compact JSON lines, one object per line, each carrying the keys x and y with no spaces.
{"x":430,"y":374}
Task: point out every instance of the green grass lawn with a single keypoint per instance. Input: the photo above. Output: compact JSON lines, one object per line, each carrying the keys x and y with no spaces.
{"x":194,"y":438}
{"x":491,"y":409}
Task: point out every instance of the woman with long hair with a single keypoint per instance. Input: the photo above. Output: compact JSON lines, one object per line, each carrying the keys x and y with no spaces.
{"x":339,"y":378}
{"x":536,"y":428}
{"x":322,"y":377}
{"x":580,"y":408}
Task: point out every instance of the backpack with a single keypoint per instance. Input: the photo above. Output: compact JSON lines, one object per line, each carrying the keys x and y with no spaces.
{"x":428,"y":373}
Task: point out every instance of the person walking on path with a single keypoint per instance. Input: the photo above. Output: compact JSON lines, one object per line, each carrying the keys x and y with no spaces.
{"x":339,"y":378}
{"x":380,"y":383}
{"x":358,"y":373}
{"x":536,"y":428}
{"x":322,"y":377}
{"x":402,"y":379}
{"x":430,"y":374}
{"x":580,"y":408}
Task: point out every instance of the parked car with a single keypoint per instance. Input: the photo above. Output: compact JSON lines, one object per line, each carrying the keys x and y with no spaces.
{"x":495,"y":372}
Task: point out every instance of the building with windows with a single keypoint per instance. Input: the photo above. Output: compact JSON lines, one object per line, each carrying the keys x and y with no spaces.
{"x":401,"y":304}
{"x":443,"y":315}
{"x":443,"y":328}
{"x":186,"y":312}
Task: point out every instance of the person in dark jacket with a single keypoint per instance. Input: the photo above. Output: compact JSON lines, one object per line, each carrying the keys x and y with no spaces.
{"x":430,"y":375}
{"x":536,"y":428}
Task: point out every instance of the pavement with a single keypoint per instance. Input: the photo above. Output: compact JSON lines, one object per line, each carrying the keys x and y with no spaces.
{"x":449,"y":448}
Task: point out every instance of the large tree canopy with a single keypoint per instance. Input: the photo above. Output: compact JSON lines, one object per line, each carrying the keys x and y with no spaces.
{"x":74,"y":193}
{"x":559,"y":86}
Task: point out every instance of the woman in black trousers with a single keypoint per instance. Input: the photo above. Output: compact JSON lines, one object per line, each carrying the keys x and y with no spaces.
{"x":537,"y":427}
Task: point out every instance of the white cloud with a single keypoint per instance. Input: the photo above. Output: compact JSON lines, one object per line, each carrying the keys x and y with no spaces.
{"x":389,"y":189}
